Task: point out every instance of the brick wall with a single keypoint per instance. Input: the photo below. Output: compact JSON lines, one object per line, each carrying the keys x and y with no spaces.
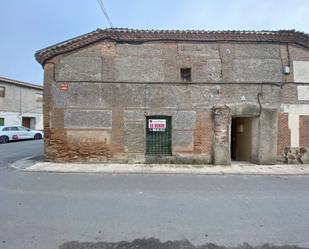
{"x":203,"y":134}
{"x":284,"y":136}
{"x":304,"y":130}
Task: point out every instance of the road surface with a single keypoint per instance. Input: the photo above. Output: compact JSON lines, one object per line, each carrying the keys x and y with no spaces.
{"x":46,"y":210}
{"x":13,"y":151}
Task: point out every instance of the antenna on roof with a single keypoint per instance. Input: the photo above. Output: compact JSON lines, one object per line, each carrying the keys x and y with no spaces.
{"x":100,"y":2}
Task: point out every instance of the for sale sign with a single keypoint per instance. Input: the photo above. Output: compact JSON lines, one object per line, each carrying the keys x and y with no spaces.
{"x":157,"y":124}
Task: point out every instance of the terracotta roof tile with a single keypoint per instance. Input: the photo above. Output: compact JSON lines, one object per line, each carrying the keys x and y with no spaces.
{"x":134,"y":35}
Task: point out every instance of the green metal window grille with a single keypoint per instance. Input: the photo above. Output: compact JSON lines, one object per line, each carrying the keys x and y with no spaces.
{"x":159,"y":141}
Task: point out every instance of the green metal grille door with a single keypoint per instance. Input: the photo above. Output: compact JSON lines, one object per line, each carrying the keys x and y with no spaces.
{"x":159,"y":135}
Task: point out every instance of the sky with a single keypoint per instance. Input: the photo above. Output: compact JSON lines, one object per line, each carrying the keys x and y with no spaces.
{"x":29,"y":25}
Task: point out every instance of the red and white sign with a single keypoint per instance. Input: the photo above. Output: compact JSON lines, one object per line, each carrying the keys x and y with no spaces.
{"x":157,"y":124}
{"x":15,"y":137}
{"x":64,"y":87}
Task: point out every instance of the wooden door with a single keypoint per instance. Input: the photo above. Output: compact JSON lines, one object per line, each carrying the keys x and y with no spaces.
{"x":26,"y":122}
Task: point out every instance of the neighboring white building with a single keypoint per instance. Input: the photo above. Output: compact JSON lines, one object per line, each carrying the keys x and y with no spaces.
{"x":21,"y":104}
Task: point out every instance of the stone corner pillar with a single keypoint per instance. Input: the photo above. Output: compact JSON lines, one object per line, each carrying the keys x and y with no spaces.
{"x":268,"y":135}
{"x":221,"y":145}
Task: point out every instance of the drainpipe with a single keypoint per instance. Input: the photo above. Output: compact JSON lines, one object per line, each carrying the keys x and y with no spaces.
{"x":260,"y":94}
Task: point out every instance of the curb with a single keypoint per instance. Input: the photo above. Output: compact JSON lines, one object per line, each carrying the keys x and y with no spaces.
{"x":28,"y":165}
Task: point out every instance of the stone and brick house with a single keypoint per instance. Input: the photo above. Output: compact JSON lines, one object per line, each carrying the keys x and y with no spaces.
{"x":122,"y":95}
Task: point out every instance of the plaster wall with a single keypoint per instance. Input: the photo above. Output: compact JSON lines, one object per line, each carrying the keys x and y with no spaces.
{"x":301,"y":71}
{"x":13,"y":118}
{"x":20,"y":99}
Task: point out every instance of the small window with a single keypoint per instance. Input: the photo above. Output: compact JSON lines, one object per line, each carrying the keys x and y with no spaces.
{"x":2,"y":91}
{"x":185,"y":74}
{"x":39,"y":97}
{"x":1,"y":121}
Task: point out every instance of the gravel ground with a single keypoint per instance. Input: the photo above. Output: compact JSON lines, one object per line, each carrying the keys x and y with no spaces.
{"x":153,"y":243}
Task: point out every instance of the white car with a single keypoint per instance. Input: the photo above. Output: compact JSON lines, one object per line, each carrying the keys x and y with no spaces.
{"x":11,"y":133}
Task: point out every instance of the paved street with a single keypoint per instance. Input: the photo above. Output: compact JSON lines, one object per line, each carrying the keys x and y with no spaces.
{"x":17,"y":150}
{"x":45,"y":210}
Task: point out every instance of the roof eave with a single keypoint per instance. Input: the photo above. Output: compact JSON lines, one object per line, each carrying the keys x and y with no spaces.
{"x":141,"y":36}
{"x":21,"y":83}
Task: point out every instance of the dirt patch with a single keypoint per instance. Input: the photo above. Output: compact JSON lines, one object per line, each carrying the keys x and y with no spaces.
{"x":153,"y":243}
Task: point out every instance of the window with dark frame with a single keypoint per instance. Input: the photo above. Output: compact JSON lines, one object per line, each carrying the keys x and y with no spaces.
{"x":185,"y":74}
{"x":2,"y":91}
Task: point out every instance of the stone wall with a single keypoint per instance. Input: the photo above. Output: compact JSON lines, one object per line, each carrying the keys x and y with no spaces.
{"x":296,"y":155}
{"x":161,"y":62}
{"x":112,"y":87}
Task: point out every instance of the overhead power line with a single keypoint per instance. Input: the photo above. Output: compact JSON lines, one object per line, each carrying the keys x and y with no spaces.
{"x":100,"y":2}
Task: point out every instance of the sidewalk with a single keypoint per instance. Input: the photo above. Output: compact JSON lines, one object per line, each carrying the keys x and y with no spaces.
{"x":237,"y":168}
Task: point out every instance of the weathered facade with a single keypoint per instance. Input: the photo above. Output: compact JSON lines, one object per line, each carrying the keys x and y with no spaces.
{"x":214,"y":96}
{"x":21,"y":104}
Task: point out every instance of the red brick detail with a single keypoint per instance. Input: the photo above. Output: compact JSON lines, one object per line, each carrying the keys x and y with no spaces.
{"x":284,"y":133}
{"x":304,"y":130}
{"x":203,"y":133}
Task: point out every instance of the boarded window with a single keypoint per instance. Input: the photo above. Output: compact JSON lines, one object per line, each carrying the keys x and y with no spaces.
{"x":2,"y":91}
{"x":39,"y":97}
{"x":185,"y":74}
